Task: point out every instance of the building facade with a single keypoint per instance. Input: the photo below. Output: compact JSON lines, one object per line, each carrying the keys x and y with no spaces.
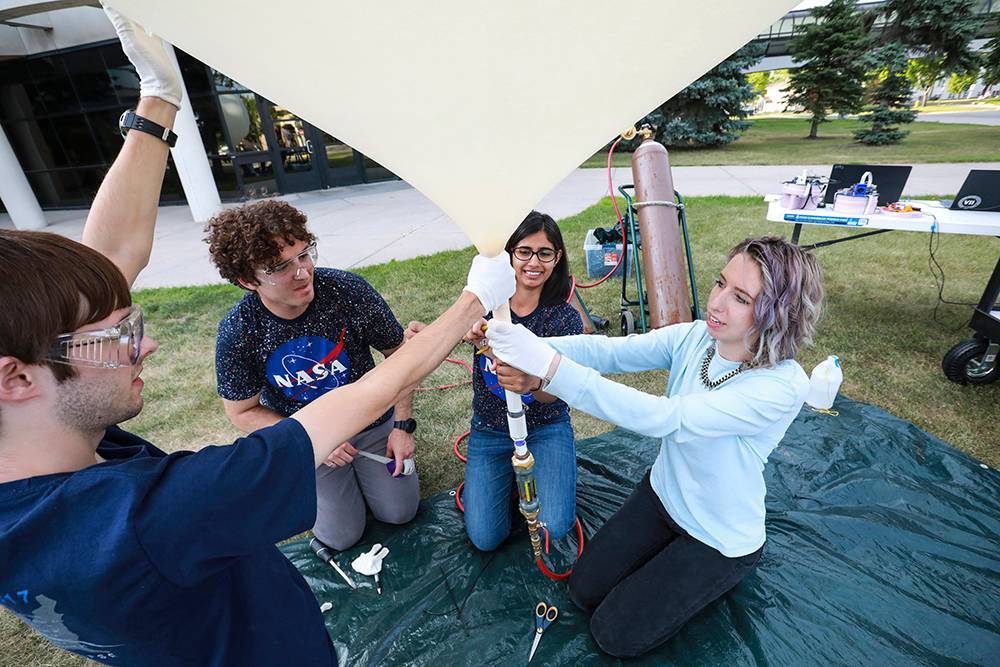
{"x":64,"y":82}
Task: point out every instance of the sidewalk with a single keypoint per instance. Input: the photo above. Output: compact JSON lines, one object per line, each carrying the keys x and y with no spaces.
{"x":360,"y":225}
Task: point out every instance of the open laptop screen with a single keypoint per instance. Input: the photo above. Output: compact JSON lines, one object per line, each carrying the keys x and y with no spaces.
{"x":979,"y":192}
{"x":889,"y":179}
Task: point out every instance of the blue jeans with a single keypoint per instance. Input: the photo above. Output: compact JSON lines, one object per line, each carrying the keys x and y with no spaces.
{"x":489,"y":481}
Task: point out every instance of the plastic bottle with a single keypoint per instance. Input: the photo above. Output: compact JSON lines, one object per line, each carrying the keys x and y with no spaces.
{"x":825,"y":383}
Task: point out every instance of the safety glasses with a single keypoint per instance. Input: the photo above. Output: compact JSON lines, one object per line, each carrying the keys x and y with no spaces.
{"x":289,"y":269}
{"x":113,"y":347}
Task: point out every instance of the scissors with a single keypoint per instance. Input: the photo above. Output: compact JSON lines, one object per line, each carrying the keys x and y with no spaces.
{"x":544,"y":615}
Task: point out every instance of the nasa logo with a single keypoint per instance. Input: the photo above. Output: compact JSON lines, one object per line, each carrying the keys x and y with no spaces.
{"x":493,"y":384}
{"x":970,"y":201}
{"x":305,"y":368}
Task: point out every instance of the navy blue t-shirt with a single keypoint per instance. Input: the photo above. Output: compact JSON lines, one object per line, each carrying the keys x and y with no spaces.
{"x":156,"y":559}
{"x":488,"y":402}
{"x":292,"y":362}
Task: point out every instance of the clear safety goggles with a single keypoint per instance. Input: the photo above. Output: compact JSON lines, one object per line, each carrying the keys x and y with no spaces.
{"x":289,"y":269}
{"x":114,"y":347}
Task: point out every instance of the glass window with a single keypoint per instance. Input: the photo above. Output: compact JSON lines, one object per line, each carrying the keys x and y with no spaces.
{"x":16,"y":89}
{"x":106,"y":133}
{"x":209,"y":126}
{"x":225,"y":177}
{"x":376,"y":172}
{"x":124,"y":80}
{"x":258,"y":178}
{"x":77,"y":141}
{"x":172,"y":189}
{"x":35,"y":144}
{"x":195,"y":74}
{"x":55,"y":93}
{"x":91,"y":79}
{"x":224,"y":84}
{"x":242,"y":118}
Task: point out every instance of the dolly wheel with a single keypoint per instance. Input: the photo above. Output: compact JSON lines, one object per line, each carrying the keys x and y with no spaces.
{"x":628,"y":323}
{"x":964,"y":363}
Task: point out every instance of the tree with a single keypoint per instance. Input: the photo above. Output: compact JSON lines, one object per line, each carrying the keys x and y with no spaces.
{"x":831,"y":75}
{"x":924,"y":73}
{"x":889,"y":99}
{"x":991,"y":63}
{"x":712,"y":110}
{"x":959,"y":83}
{"x":934,"y":29}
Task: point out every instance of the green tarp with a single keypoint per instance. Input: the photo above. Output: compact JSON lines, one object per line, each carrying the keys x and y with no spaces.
{"x":882,"y":548}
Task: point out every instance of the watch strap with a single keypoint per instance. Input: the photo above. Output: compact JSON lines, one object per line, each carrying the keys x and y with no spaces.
{"x":407,"y":425}
{"x":130,"y":120}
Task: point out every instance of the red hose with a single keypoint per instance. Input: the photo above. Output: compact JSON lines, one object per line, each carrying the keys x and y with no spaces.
{"x":450,"y":386}
{"x":621,"y":224}
{"x":555,"y":576}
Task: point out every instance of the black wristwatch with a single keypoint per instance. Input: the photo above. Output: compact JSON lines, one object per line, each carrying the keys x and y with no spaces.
{"x":406,"y":425}
{"x":130,"y":120}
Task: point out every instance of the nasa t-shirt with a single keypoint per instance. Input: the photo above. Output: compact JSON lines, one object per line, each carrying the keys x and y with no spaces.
{"x":293,"y":362}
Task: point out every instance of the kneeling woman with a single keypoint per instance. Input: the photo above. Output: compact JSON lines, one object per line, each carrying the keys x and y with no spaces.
{"x":541,"y":268}
{"x":694,"y":526}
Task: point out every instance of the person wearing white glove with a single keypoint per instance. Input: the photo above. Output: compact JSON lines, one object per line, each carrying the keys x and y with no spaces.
{"x":694,"y":526}
{"x":491,"y":279}
{"x":515,"y":345}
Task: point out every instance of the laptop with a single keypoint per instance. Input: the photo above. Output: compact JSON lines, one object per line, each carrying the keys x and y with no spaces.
{"x":979,"y":192}
{"x":889,"y":180}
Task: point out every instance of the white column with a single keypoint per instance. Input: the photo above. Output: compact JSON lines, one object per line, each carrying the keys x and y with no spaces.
{"x":15,"y":192}
{"x":189,"y":156}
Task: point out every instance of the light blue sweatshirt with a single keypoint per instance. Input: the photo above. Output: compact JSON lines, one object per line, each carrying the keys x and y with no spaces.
{"x":709,"y":473}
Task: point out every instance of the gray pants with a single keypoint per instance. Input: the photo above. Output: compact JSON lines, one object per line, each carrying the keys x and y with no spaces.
{"x":341,"y":493}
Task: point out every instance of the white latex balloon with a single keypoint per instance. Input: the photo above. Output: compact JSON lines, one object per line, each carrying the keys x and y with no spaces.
{"x":483,"y":106}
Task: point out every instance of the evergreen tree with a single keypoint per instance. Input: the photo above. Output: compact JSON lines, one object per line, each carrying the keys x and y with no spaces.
{"x":712,"y":110}
{"x":991,"y":63}
{"x":938,"y":30}
{"x":889,"y":99}
{"x":831,"y":75}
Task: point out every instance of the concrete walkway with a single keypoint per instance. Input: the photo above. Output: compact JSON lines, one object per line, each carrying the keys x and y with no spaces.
{"x":368,"y":224}
{"x":983,"y":117}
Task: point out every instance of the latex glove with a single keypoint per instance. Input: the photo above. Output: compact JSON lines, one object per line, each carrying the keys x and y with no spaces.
{"x":370,"y":563}
{"x":157,"y":75}
{"x":516,"y":346}
{"x":491,"y":279}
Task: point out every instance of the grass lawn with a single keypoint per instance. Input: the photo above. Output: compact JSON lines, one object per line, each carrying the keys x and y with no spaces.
{"x":880,"y":320}
{"x":784,"y":141}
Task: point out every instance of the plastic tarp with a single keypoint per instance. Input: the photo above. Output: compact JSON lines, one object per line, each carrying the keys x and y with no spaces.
{"x":882,"y":549}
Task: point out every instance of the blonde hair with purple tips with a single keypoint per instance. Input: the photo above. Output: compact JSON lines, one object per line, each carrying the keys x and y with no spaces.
{"x":790,"y":302}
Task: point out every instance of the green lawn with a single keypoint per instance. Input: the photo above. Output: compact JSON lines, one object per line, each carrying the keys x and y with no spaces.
{"x":879,"y":319}
{"x":784,"y":141}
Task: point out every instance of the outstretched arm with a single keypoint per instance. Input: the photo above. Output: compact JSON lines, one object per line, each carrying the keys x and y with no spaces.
{"x":121,"y":219}
{"x":339,"y":414}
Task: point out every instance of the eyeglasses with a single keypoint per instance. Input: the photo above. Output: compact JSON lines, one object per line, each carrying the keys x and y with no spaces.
{"x":545,"y":255}
{"x":285,"y":272}
{"x":114,"y":347}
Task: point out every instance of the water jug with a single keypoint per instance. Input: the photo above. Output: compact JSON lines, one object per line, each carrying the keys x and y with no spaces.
{"x":825,"y":383}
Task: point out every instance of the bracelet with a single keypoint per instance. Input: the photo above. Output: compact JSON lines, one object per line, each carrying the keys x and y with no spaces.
{"x":541,"y":383}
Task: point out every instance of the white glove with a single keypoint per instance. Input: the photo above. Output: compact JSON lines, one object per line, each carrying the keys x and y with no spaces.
{"x":491,"y":279}
{"x":157,"y":75}
{"x":516,"y":346}
{"x":370,"y":563}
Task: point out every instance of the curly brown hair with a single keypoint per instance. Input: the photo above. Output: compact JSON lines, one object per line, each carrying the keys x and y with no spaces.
{"x":244,"y":239}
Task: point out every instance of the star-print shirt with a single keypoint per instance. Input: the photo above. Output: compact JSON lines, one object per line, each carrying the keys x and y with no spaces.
{"x":292,"y":362}
{"x":488,"y":402}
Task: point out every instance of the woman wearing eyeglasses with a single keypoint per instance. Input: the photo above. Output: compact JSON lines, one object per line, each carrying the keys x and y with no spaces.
{"x":541,"y":268}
